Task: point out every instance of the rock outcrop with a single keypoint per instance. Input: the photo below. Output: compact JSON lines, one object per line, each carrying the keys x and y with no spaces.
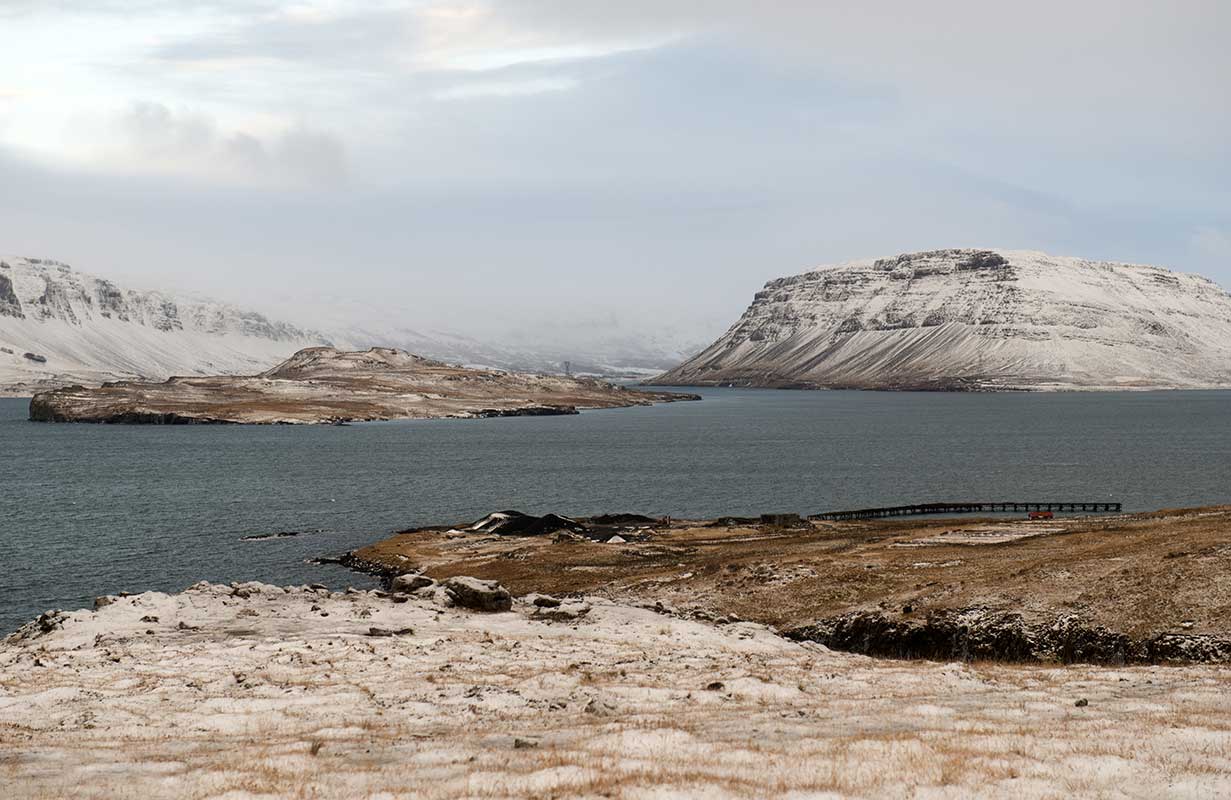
{"x":986,"y":634}
{"x":968,"y":319}
{"x":478,"y":595}
{"x":410,"y":582}
{"x":517,"y":523}
{"x":10,"y":303}
{"x":324,"y":385}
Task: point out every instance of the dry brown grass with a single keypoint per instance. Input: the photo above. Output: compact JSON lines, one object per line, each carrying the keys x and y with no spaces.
{"x":616,"y":710}
{"x":1139,"y":574}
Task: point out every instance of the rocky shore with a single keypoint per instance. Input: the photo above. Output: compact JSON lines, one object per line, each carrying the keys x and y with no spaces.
{"x":1112,"y":589}
{"x":251,"y":690}
{"x":629,"y":656}
{"x":325,"y":385}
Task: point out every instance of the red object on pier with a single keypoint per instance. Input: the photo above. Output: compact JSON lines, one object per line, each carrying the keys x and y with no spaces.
{"x":1041,"y":515}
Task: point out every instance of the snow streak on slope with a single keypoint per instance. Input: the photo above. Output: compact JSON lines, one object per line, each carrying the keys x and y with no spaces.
{"x":975,"y":319}
{"x":59,"y":326}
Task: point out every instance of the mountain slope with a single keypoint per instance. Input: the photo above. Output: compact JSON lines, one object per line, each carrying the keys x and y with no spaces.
{"x":77,"y":328}
{"x":975,"y":319}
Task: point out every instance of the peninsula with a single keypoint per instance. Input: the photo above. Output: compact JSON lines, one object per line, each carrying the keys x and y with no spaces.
{"x":326,"y":385}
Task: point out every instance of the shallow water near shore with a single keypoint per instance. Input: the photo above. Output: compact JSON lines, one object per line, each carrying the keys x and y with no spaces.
{"x":89,"y":509}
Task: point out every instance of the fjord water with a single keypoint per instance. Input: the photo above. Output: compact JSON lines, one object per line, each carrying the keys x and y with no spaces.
{"x":93,"y":509}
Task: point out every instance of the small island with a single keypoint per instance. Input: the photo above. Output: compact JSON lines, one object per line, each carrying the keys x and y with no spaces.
{"x":326,"y":385}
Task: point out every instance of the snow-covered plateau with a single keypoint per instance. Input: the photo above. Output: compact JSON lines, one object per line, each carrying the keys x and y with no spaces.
{"x":253,"y":690}
{"x":60,"y":327}
{"x":969,"y":319}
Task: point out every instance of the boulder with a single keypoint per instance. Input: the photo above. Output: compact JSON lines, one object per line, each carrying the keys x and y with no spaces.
{"x":478,"y":595}
{"x":410,"y":582}
{"x":565,"y":612}
{"x":385,"y":632}
{"x":543,"y":600}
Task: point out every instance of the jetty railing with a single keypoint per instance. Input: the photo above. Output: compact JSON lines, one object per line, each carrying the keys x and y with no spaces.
{"x":965,"y":508}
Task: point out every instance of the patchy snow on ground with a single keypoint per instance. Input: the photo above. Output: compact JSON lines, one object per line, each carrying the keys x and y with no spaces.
{"x":260,"y":691}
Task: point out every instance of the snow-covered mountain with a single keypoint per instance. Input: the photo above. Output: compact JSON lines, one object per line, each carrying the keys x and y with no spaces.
{"x":976,"y":320}
{"x":59,"y":326}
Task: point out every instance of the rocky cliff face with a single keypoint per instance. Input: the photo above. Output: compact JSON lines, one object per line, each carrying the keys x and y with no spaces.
{"x":975,"y":320}
{"x":89,"y":331}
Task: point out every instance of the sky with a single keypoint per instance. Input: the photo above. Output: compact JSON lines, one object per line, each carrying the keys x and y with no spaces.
{"x":516,"y":169}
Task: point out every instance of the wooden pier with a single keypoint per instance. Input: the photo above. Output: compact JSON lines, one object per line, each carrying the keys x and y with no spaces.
{"x":965,"y":508}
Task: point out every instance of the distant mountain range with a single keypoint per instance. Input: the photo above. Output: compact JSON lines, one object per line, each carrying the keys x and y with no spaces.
{"x":970,"y":319}
{"x":59,"y":326}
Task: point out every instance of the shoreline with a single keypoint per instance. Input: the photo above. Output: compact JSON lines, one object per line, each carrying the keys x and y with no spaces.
{"x":888,"y":587}
{"x":442,"y":685}
{"x":921,"y":588}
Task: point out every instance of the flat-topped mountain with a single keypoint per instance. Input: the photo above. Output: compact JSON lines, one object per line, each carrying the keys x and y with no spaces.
{"x":78,"y":328}
{"x":967,"y":319}
{"x":322,"y":384}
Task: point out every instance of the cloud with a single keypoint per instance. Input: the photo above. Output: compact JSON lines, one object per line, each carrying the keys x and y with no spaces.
{"x":153,"y":136}
{"x":1100,"y":71}
{"x":472,"y":89}
{"x":1212,"y":248}
{"x":540,"y":154}
{"x":299,"y":36}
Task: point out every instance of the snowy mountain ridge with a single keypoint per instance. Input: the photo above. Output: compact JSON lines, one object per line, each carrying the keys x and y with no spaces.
{"x":82,"y":329}
{"x":975,"y":319}
{"x":59,"y":326}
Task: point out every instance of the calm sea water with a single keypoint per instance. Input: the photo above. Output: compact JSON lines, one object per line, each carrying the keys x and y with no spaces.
{"x":87,"y":510}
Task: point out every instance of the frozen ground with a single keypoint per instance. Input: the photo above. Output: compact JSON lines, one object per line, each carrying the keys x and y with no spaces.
{"x":213,"y":694}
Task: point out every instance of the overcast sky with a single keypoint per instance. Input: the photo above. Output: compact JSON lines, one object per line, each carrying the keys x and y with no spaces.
{"x":479,"y":166}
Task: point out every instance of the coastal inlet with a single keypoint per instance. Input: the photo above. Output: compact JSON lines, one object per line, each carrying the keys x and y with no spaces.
{"x":87,"y":510}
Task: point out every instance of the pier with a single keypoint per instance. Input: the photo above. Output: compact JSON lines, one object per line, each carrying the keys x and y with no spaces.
{"x":965,"y":508}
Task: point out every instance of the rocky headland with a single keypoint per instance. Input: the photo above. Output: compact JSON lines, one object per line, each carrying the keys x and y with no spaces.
{"x":975,"y":320}
{"x":1114,"y":589}
{"x":325,"y":385}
